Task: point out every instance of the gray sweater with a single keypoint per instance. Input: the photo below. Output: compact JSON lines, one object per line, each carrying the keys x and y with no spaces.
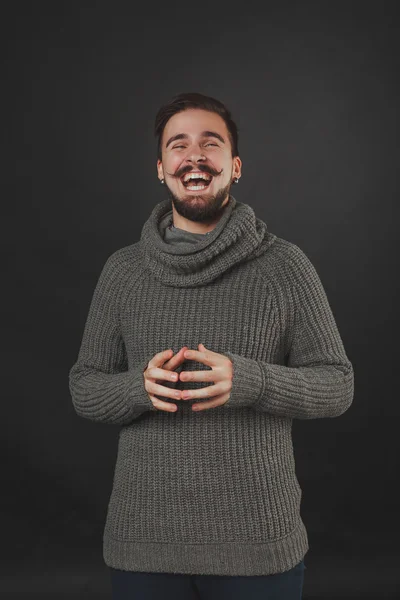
{"x":213,"y":492}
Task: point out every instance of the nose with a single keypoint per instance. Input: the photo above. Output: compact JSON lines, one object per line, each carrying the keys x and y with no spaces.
{"x":195,"y":155}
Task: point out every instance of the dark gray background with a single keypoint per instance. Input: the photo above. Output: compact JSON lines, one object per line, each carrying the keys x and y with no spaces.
{"x":313,"y":87}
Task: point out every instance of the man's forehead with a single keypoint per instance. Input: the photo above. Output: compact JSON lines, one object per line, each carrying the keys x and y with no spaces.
{"x":195,"y":123}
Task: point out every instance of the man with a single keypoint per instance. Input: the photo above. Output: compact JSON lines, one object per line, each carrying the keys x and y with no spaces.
{"x":204,"y":340}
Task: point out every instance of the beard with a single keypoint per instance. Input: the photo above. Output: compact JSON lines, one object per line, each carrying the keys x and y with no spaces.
{"x":198,"y":208}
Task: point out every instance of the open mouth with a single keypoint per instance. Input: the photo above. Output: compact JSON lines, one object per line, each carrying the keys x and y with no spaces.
{"x":196,"y":181}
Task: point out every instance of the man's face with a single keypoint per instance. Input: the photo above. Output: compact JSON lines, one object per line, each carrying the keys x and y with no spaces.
{"x":196,"y":141}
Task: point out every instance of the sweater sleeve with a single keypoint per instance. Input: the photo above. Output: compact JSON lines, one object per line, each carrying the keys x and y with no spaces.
{"x":317,"y":379}
{"x":101,"y":386}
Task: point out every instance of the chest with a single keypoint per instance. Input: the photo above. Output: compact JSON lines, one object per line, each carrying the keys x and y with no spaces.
{"x":240,"y":314}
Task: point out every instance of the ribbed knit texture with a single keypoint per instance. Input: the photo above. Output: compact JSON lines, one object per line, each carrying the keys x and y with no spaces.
{"x":213,"y":492}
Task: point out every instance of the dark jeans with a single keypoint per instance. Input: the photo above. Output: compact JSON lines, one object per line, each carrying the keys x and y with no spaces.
{"x":132,"y":585}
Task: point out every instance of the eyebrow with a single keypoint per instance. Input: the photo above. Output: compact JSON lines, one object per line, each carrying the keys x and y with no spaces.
{"x":184,"y":136}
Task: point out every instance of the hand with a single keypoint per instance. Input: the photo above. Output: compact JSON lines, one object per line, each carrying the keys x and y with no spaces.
{"x":159,"y":368}
{"x":222,"y":373}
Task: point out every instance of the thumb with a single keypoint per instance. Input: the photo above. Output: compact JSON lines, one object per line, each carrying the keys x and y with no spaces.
{"x":202,"y":347}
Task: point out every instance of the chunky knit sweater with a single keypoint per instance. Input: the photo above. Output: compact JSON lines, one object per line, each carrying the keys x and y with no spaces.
{"x":213,"y":492}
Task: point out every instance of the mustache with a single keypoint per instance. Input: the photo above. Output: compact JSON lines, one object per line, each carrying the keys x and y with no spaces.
{"x":204,"y":168}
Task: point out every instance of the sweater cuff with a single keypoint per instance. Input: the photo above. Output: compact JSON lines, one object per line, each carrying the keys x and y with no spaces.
{"x":137,"y":397}
{"x":247,"y":382}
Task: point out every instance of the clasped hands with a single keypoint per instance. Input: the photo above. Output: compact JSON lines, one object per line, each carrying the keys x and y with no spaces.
{"x":162,"y":367}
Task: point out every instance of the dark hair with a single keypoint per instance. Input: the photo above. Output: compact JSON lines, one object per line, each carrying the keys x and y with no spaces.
{"x":194,"y":100}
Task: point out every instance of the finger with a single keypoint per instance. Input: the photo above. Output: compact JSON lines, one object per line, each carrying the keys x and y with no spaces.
{"x":160,"y":390}
{"x":203,"y":357}
{"x":160,"y":405}
{"x":159,"y":358}
{"x":158,"y":373}
{"x":175,"y":360}
{"x":218,"y":401}
{"x":205,"y":392}
{"x":211,"y":375}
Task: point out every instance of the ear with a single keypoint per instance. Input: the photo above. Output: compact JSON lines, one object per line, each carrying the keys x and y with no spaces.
{"x":160,"y":170}
{"x":237,"y":167}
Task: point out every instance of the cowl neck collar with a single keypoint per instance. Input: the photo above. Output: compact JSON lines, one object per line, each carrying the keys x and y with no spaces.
{"x":237,"y":237}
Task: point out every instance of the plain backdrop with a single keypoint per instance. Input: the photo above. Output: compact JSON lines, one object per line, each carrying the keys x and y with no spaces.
{"x":313,"y":87}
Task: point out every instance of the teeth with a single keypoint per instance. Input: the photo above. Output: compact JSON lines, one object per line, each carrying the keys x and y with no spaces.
{"x":196,"y":187}
{"x":189,"y":176}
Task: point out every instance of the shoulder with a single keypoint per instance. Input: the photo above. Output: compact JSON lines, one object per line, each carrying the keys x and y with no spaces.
{"x":288,"y":252}
{"x":120,"y":258}
{"x":120,"y":264}
{"x":287,"y":261}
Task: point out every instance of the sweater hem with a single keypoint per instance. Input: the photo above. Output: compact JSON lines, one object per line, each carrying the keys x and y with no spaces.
{"x":230,"y":558}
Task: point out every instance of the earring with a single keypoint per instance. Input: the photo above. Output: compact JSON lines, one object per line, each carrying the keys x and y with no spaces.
{"x":236,"y":180}
{"x":162,"y":181}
